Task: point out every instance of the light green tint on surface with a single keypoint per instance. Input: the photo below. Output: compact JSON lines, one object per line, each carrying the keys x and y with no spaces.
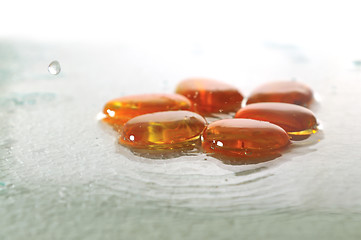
{"x":65,"y":176}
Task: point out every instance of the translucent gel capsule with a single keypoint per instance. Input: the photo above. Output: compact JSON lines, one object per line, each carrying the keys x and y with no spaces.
{"x":122,"y":109}
{"x":244,"y":138}
{"x":282,"y":91}
{"x":297,"y":121}
{"x":210,"y":96}
{"x":163,"y":130}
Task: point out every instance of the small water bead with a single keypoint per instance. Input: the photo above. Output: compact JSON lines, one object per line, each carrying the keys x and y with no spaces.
{"x":163,"y":130}
{"x":299,"y":122}
{"x":54,"y":68}
{"x":282,"y":91}
{"x":210,"y":96}
{"x":244,"y":138}
{"x":120,"y":110}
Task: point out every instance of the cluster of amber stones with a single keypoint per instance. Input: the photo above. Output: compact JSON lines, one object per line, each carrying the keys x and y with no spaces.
{"x":275,"y":113}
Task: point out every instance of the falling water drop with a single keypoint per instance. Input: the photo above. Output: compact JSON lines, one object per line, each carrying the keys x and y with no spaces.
{"x":54,"y":68}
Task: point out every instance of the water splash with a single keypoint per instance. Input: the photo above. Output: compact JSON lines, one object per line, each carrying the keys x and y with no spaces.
{"x":54,"y":68}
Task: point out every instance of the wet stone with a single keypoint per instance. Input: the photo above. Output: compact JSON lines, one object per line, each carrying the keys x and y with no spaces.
{"x":210,"y":96}
{"x":244,"y":138}
{"x":163,"y":130}
{"x":120,"y":110}
{"x":282,"y":91}
{"x":299,"y":122}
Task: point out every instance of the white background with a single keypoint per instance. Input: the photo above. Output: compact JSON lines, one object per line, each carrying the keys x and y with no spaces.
{"x":328,"y":26}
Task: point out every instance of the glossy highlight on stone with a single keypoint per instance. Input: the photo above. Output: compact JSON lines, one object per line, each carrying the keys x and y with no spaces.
{"x":163,"y":130}
{"x":120,"y":110}
{"x":282,"y":91}
{"x":244,"y":138}
{"x":299,"y":122}
{"x":210,"y":96}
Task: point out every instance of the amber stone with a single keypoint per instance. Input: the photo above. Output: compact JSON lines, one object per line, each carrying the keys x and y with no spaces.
{"x":210,"y":96}
{"x":297,"y":121}
{"x":244,"y":138}
{"x":122,"y":109}
{"x":282,"y":91}
{"x":163,"y":130}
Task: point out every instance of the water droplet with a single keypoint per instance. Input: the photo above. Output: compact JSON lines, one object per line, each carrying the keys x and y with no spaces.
{"x":54,"y":68}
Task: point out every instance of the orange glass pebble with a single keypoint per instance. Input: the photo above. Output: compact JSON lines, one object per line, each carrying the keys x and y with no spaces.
{"x":163,"y":130}
{"x":210,"y":96}
{"x":120,"y":110}
{"x":246,"y":138}
{"x":297,"y":121}
{"x":282,"y":91}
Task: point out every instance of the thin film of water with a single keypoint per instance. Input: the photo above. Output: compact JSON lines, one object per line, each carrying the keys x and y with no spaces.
{"x":191,"y":176}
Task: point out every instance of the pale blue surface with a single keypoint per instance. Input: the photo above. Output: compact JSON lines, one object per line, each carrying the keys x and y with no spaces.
{"x":63,"y":176}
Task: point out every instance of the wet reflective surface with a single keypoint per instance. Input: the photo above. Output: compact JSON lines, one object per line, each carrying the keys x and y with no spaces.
{"x":244,"y":138}
{"x":297,"y":121}
{"x":62,"y":172}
